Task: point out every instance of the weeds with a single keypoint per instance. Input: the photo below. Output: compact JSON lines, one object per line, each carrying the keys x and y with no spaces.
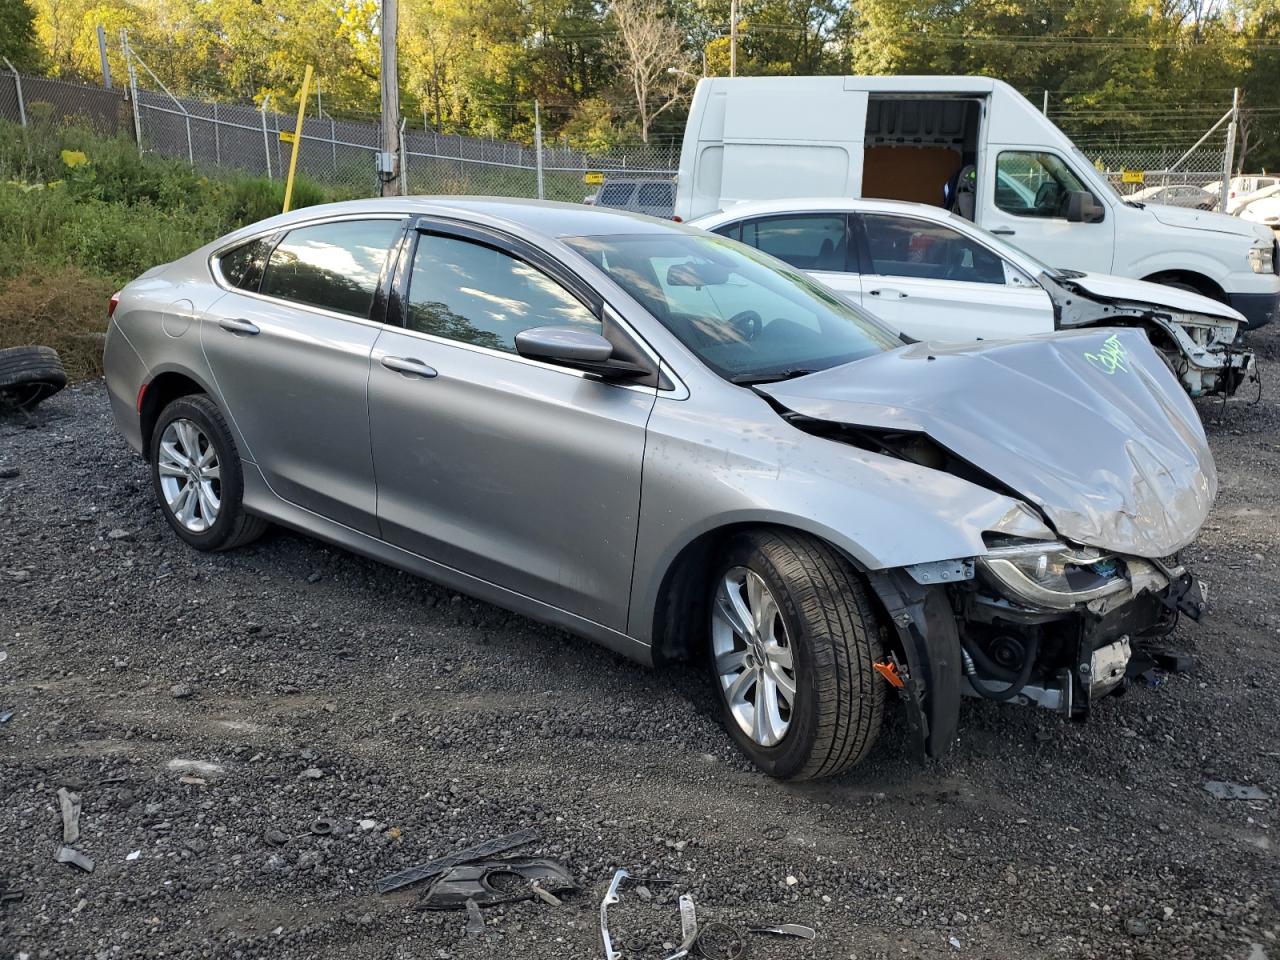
{"x":73,"y":230}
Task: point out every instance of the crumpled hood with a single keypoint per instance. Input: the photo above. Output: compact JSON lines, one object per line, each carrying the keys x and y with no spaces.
{"x":1204,"y":220}
{"x":1089,"y":425}
{"x":1109,"y":287}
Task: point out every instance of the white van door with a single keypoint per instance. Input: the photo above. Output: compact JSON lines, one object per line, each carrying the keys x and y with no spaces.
{"x":1025,"y":203}
{"x":935,"y":283}
{"x":777,"y":143}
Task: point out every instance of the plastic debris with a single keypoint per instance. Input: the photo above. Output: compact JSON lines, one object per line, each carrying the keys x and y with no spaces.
{"x":434,"y":868}
{"x":1224,"y":790}
{"x":134,"y":855}
{"x":75,"y":858}
{"x":199,"y":768}
{"x":475,"y":920}
{"x":954,"y":941}
{"x":787,"y":930}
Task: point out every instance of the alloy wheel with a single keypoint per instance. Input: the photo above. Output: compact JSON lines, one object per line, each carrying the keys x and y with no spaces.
{"x":190,"y":475}
{"x":753,"y":656}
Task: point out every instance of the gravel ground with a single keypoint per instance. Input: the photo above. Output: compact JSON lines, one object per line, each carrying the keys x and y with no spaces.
{"x":323,"y":685}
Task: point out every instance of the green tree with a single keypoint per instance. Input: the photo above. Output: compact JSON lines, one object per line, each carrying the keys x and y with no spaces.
{"x":18,"y":40}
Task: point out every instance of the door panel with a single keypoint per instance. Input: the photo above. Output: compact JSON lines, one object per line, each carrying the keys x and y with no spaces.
{"x":522,"y":475}
{"x":296,"y":391}
{"x":519,"y":473}
{"x":952,"y":310}
{"x":1017,"y":206}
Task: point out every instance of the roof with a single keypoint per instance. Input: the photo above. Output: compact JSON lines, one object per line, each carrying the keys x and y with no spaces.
{"x":755,"y":208}
{"x":545,"y":217}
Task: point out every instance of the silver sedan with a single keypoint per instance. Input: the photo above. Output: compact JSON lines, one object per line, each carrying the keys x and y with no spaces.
{"x":679,"y":447}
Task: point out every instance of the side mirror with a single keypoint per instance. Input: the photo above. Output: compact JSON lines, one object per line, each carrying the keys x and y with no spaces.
{"x":576,"y":348}
{"x":1083,"y":207}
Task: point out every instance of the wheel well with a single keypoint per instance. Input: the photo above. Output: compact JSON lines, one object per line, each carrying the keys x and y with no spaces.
{"x":1197,"y":281}
{"x":161,"y":392}
{"x":681,"y":610}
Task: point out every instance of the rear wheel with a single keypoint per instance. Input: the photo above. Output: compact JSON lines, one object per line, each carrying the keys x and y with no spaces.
{"x":793,"y":639}
{"x":196,"y":472}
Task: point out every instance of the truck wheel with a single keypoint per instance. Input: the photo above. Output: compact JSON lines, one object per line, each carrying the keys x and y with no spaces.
{"x":197,"y":476}
{"x":793,"y":639}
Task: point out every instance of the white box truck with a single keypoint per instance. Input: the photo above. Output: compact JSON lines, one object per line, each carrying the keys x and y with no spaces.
{"x":973,"y":145}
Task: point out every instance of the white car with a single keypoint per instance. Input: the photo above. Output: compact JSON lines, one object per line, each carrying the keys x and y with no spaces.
{"x":936,"y":276}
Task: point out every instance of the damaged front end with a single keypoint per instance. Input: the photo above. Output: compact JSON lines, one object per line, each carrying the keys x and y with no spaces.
{"x":1111,"y":476}
{"x":1196,"y":336}
{"x":1044,"y":623}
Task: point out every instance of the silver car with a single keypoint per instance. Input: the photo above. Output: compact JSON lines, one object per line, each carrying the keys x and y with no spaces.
{"x":679,"y":447}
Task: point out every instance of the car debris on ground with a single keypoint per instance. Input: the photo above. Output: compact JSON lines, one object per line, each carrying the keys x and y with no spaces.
{"x":433,"y":868}
{"x":69,"y":804}
{"x":1223,"y":790}
{"x":75,"y":858}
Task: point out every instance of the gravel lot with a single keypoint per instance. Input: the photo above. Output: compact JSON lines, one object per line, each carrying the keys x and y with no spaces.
{"x":324,"y":685}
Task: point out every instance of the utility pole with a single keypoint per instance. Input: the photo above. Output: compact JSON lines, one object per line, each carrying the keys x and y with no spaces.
{"x":389,"y":160}
{"x":733,"y":38}
{"x":1228,"y":155}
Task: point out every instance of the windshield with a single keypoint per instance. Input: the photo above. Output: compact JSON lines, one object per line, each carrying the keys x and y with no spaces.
{"x":748,"y":317}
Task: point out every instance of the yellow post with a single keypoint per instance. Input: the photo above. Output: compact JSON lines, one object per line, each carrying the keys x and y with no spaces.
{"x":297,"y":138}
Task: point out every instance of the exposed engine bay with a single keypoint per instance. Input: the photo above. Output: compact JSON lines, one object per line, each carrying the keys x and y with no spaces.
{"x":1199,"y":348}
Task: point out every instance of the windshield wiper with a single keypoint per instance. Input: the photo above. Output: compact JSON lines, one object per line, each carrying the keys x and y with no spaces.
{"x":751,"y":379}
{"x":1136,"y":204}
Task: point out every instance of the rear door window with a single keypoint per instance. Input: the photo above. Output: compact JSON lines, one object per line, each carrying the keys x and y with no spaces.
{"x":817,"y":241}
{"x":331,"y":265}
{"x":616,"y":194}
{"x":656,"y":195}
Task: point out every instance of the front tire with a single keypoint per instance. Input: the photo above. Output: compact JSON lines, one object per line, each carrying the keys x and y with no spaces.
{"x":793,"y":638}
{"x":196,"y":473}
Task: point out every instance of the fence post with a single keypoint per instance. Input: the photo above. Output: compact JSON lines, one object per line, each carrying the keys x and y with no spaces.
{"x":266,"y":142}
{"x":102,"y":55}
{"x":404,"y":162}
{"x":191,"y":154}
{"x":333,"y":143}
{"x":537,"y":144}
{"x":17,"y":82}
{"x":217,"y":137}
{"x":132,"y":76}
{"x":1228,"y":155}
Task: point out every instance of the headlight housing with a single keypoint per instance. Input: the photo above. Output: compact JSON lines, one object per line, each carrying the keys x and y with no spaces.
{"x":1053,"y":575}
{"x":1263,"y":259}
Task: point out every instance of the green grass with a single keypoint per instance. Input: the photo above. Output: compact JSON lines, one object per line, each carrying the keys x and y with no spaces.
{"x":72,"y":234}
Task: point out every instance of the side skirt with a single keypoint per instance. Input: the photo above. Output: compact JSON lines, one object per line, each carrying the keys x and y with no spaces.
{"x":260,"y":500}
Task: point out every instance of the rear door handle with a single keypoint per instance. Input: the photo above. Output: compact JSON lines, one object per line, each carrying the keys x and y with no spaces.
{"x":888,"y":294}
{"x":1004,"y":232}
{"x":410,"y":366}
{"x":239,"y":326}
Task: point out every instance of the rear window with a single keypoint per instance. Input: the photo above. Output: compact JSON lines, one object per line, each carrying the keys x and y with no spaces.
{"x":656,"y":195}
{"x":331,"y":265}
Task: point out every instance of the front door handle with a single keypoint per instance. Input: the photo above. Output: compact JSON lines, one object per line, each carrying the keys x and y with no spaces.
{"x":888,"y":294}
{"x":1004,"y":232}
{"x":410,"y":366}
{"x":239,"y":326}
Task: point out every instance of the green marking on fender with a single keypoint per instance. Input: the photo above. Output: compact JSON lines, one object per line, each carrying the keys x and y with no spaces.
{"x":1111,"y":357}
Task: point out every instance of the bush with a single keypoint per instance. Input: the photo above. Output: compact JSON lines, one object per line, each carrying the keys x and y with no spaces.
{"x":73,"y":229}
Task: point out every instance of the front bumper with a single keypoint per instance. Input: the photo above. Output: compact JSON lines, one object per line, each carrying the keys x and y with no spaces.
{"x":1259,"y":309}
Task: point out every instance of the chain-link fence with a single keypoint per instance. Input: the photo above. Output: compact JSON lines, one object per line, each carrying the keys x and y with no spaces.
{"x":340,"y":153}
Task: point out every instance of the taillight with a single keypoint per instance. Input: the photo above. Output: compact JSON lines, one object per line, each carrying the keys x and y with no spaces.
{"x":112,"y":304}
{"x":142,"y":391}
{"x":677,"y":219}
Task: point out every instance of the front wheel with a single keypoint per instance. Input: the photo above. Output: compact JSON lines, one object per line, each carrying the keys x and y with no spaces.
{"x":794,"y":638}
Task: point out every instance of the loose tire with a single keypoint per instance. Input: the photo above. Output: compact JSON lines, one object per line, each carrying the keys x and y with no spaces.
{"x":196,"y":473}
{"x":30,"y":374}
{"x":792,"y":627}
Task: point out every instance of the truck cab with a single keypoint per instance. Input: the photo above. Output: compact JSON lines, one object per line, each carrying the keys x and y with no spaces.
{"x":972,"y":145}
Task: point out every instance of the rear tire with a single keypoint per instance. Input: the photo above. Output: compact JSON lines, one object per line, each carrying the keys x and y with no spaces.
{"x":197,"y":476}
{"x":814,"y":638}
{"x":29,"y":375}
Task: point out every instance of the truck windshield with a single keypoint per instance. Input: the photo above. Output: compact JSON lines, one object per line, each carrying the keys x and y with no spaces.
{"x":748,"y":317}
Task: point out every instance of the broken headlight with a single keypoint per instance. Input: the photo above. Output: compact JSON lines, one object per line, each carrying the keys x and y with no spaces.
{"x":1263,"y":259}
{"x":1052,"y":575}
